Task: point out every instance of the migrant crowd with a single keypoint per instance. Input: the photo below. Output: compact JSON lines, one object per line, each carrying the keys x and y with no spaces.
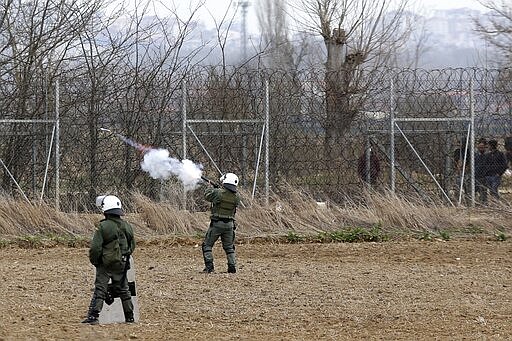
{"x":490,"y":165}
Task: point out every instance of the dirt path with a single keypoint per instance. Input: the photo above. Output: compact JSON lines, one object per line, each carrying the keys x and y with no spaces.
{"x":407,"y":290}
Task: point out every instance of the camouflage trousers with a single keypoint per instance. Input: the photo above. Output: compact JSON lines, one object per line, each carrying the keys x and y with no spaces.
{"x":119,"y":284}
{"x":224,"y":230}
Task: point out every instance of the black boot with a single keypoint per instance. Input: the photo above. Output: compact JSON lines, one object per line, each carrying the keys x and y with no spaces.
{"x":92,"y":313}
{"x":91,"y":319}
{"x":128,"y":310}
{"x":208,"y":267}
{"x":128,"y":318}
{"x":231,"y":269}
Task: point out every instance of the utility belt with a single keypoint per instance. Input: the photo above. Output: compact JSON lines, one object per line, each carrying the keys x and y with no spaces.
{"x":224,"y":220}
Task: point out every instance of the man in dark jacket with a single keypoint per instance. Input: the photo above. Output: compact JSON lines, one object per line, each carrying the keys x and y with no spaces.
{"x":497,"y":165}
{"x":481,"y":169}
{"x":508,"y":150}
{"x":224,"y":202}
{"x":112,"y":244}
{"x":368,"y":167}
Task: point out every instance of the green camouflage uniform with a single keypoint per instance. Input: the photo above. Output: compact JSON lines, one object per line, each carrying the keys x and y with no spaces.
{"x":111,"y":228}
{"x":223,"y":208}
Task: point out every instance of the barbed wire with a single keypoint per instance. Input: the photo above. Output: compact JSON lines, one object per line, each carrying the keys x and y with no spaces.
{"x":319,"y":135}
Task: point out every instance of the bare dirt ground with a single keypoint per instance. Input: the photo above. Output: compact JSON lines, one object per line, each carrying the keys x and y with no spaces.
{"x":393,"y":290}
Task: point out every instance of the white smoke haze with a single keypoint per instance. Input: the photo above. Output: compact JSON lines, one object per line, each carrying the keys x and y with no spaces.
{"x":160,"y":165}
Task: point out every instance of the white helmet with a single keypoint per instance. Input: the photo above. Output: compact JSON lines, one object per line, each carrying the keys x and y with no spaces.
{"x":229,"y":179}
{"x":109,"y":204}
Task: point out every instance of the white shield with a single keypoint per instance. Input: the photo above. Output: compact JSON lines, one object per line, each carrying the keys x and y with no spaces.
{"x":114,"y":313}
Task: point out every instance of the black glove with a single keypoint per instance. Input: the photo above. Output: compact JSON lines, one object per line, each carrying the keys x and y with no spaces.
{"x":126,"y":259}
{"x":110,"y":298}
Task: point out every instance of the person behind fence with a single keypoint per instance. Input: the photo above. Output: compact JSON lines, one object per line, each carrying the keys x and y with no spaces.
{"x":458,"y":158}
{"x":508,"y":150}
{"x":459,"y":155}
{"x":111,"y":247}
{"x":224,"y":201}
{"x":481,"y":169}
{"x":368,"y":167}
{"x":497,"y":165}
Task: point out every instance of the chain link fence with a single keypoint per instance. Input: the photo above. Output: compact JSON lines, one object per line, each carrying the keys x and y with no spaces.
{"x":386,"y":129}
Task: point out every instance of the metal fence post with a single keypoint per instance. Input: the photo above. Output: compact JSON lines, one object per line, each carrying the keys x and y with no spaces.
{"x":367,"y":153}
{"x":472,"y":137}
{"x":57,"y":145}
{"x":392,"y":133}
{"x":267,"y":141}
{"x":184,"y":132}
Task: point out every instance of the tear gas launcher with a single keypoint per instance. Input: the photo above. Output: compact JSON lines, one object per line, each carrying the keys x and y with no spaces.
{"x":211,"y":182}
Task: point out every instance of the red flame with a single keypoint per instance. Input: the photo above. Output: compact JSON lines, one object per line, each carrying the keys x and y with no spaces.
{"x":140,"y":147}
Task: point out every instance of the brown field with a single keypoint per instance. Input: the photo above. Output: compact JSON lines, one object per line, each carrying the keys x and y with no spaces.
{"x":459,"y":289}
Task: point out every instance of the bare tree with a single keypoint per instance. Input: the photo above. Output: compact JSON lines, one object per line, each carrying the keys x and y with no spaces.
{"x":272,"y":19}
{"x":358,"y":35}
{"x":409,"y":55}
{"x":131,"y":66}
{"x":223,"y":29}
{"x":118,"y":69}
{"x":496,"y":27}
{"x":36,"y":38}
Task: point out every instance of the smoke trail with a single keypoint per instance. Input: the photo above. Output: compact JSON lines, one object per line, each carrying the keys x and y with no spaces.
{"x":134,"y":144}
{"x":160,"y":165}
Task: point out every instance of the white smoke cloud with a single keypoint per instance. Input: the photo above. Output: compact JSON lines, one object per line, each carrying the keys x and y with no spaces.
{"x":160,"y":165}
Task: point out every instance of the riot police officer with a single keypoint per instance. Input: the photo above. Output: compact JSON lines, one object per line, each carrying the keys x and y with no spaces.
{"x":224,"y":201}
{"x":112,"y":244}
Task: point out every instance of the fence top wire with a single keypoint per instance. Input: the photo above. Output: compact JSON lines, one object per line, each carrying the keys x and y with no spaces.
{"x":151,"y":112}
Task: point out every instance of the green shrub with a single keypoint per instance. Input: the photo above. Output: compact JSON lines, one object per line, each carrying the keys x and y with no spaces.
{"x":293,"y":237}
{"x":445,"y":235}
{"x":353,"y":235}
{"x":30,"y":241}
{"x":474,"y":229}
{"x":426,"y":236}
{"x":4,"y":243}
{"x":500,"y":236}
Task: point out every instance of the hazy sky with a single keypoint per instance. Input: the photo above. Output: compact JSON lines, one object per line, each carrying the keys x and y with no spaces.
{"x":222,"y":5}
{"x":219,"y":7}
{"x":443,"y":4}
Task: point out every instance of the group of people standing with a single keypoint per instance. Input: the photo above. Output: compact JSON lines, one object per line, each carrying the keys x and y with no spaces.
{"x":114,"y":242}
{"x":490,"y":165}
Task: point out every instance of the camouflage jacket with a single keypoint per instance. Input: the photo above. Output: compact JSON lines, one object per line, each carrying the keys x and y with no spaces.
{"x":108,"y":230}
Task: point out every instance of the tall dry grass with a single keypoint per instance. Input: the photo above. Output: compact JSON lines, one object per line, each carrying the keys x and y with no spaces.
{"x":301,"y":214}
{"x":166,"y":218}
{"x":20,"y":218}
{"x":290,"y":211}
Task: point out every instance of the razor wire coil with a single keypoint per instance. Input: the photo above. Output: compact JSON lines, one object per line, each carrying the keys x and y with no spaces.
{"x":305,"y":149}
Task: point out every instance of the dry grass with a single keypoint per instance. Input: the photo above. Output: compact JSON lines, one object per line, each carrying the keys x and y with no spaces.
{"x":291,"y":211}
{"x":165,"y":218}
{"x":20,"y":217}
